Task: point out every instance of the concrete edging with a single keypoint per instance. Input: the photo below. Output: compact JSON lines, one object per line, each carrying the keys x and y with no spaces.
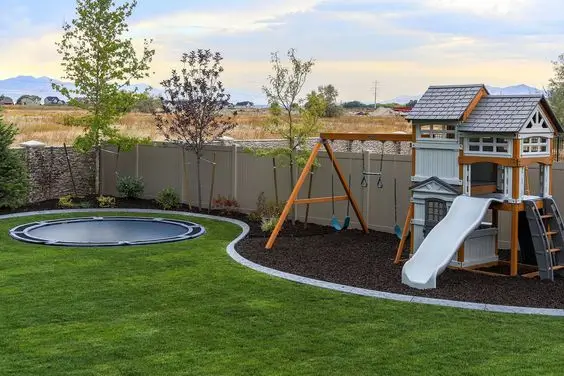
{"x":309,"y":281}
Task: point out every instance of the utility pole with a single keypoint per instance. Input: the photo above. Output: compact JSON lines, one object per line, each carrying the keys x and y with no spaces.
{"x":375,"y":93}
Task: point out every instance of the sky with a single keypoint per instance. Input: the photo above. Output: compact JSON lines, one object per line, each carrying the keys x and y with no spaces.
{"x":405,"y":45}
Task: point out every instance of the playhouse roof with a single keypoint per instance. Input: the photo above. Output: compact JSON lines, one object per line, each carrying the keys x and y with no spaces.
{"x":445,"y":102}
{"x":506,"y":113}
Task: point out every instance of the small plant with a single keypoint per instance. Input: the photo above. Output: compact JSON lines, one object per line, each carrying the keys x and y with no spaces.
{"x":106,"y":201}
{"x":168,"y":199}
{"x":268,"y":224}
{"x":84,"y":204}
{"x":225,"y":204}
{"x":66,"y":202}
{"x":14,"y":181}
{"x":130,"y":187}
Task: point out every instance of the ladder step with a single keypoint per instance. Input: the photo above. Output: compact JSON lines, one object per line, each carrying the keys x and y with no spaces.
{"x":546,"y":216}
{"x":558,"y":267}
{"x":554,"y":250}
{"x":550,"y":233}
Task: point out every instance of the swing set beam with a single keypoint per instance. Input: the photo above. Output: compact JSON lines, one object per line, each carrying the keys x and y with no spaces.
{"x":358,"y":136}
{"x":293,"y":199}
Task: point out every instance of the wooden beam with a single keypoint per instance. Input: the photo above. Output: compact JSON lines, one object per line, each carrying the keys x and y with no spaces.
{"x":358,"y":136}
{"x":507,"y":162}
{"x":404,"y":233}
{"x":293,"y":196}
{"x":483,"y":189}
{"x":482,"y":93}
{"x":319,"y":200}
{"x":345,"y":185}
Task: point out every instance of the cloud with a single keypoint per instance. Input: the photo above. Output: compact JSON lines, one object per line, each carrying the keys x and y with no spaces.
{"x":484,"y":8}
{"x":249,"y":17}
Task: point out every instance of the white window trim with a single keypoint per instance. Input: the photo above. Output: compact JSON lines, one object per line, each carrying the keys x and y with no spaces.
{"x":467,"y":144}
{"x":540,"y":143}
{"x":432,"y":131}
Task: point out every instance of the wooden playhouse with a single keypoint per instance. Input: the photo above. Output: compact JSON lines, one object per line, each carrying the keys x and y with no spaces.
{"x":468,"y":142}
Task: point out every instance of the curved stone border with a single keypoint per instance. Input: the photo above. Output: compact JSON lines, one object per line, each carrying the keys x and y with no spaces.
{"x":309,"y":281}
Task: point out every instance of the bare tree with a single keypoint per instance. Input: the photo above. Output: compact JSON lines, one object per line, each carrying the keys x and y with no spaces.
{"x":192,"y":105}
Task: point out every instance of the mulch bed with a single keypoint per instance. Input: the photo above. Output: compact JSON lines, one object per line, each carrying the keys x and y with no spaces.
{"x":365,"y":260}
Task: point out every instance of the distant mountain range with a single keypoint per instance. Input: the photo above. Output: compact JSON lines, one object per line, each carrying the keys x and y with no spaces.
{"x":41,"y":86}
{"x":509,"y":90}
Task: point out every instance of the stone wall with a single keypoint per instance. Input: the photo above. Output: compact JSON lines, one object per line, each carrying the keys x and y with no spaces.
{"x":50,"y":176}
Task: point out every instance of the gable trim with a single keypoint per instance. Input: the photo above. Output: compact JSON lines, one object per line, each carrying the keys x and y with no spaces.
{"x":538,"y":122}
{"x":435,"y":179}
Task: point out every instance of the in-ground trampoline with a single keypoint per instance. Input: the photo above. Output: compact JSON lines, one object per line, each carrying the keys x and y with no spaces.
{"x":106,"y":231}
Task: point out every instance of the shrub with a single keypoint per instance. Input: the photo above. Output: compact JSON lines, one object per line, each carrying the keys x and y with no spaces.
{"x":14,"y":182}
{"x":168,"y":199}
{"x":268,"y":224}
{"x":106,"y":201}
{"x":66,"y":202}
{"x":130,"y":187}
{"x":85,"y":204}
{"x":225,"y":204}
{"x":266,"y":209}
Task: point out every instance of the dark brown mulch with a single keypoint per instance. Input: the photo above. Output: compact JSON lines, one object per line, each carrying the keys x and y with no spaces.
{"x":366,"y":260}
{"x":363,"y":260}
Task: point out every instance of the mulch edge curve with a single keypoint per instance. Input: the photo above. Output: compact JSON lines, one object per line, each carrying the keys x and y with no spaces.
{"x":232,"y":252}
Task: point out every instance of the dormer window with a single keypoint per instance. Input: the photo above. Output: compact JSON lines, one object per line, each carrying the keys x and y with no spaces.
{"x":437,"y":132}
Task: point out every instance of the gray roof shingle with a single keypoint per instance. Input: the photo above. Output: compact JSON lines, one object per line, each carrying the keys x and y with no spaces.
{"x":501,"y":114}
{"x":444,"y":102}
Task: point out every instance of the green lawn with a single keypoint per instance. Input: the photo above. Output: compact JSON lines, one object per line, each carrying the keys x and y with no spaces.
{"x":186,"y":308}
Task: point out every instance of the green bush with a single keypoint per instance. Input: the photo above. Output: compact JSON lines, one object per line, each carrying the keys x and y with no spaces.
{"x":66,"y":202}
{"x":14,"y":183}
{"x":268,"y":224}
{"x":106,"y":201}
{"x":168,"y":199}
{"x":130,"y":187}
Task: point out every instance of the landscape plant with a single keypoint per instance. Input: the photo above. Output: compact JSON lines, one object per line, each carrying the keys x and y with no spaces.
{"x":226,"y":205}
{"x":66,"y":202}
{"x":101,"y":62}
{"x":130,"y":186}
{"x":168,"y":199}
{"x":14,"y":183}
{"x":106,"y":201}
{"x":194,"y":106}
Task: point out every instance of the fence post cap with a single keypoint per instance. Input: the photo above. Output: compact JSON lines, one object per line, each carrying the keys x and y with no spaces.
{"x":33,"y":144}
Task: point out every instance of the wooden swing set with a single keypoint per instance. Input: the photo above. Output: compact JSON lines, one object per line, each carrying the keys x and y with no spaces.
{"x":324,"y":141}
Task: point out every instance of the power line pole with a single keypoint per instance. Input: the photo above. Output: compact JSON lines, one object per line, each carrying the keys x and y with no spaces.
{"x":375,"y":93}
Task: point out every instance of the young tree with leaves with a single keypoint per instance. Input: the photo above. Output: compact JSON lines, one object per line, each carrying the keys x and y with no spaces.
{"x":101,"y":63}
{"x":330,"y":94}
{"x":283,"y":94}
{"x":193,"y":104}
{"x":13,"y":175}
{"x":556,"y":88}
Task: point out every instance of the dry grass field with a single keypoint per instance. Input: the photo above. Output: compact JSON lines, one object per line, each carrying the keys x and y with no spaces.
{"x":47,"y":124}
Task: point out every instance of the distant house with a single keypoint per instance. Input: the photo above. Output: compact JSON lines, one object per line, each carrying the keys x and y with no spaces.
{"x":29,"y":100}
{"x":6,"y":101}
{"x":53,"y":101}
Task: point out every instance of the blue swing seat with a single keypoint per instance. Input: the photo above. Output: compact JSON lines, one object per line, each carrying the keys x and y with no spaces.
{"x":337,"y":225}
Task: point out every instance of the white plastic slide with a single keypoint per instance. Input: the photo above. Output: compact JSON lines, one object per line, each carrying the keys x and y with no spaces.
{"x":434,"y":254}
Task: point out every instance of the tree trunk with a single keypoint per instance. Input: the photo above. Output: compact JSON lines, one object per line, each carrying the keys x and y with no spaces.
{"x":198,"y":165}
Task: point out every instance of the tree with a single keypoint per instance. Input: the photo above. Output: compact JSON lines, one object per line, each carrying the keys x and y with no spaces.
{"x":412,"y":103}
{"x":101,"y":63}
{"x":192,"y":105}
{"x":13,"y":174}
{"x":355,"y":104}
{"x":330,"y":94}
{"x":148,"y":105}
{"x":556,"y":88}
{"x":283,"y":90}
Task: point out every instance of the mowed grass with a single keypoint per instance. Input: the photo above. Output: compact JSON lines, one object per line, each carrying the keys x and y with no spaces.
{"x":187,"y":309}
{"x":48,"y":124}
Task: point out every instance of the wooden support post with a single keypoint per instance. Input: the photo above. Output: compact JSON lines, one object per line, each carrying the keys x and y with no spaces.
{"x":293,"y":195}
{"x":404,"y":233}
{"x":514,"y":266}
{"x":345,"y":185}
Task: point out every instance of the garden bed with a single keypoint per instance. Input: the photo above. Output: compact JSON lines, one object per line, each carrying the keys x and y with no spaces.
{"x":364,"y":260}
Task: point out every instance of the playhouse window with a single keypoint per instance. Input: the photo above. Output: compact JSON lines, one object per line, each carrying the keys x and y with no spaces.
{"x":488,"y":145}
{"x":535,"y":145}
{"x":435,"y":211}
{"x":438,"y":131}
